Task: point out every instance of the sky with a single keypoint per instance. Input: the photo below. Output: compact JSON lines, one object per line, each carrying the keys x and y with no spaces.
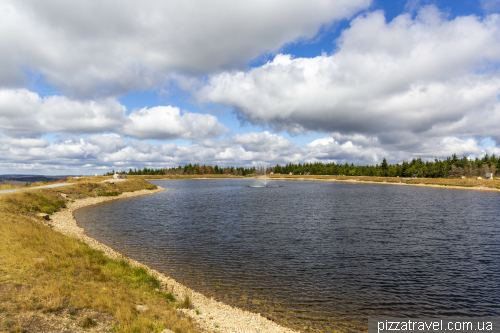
{"x":90,"y":86}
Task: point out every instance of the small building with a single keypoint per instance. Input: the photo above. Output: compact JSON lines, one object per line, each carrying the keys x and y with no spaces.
{"x":489,"y":175}
{"x":272,"y":173}
{"x":414,"y":176}
{"x":121,"y":175}
{"x":463,"y":177}
{"x":290,"y":173}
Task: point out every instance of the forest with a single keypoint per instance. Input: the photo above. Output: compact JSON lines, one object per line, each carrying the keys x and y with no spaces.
{"x":449,"y":167}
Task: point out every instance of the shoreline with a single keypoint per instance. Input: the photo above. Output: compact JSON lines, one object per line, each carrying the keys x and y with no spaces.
{"x":213,"y":315}
{"x":352,"y":181}
{"x":210,"y":315}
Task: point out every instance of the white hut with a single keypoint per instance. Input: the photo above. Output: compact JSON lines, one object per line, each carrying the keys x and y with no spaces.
{"x":120,"y":176}
{"x":489,"y":175}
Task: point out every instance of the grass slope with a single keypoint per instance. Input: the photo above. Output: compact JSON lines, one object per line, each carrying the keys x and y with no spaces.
{"x":45,"y":272}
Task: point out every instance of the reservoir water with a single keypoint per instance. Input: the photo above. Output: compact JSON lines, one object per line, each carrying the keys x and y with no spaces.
{"x":316,"y":256}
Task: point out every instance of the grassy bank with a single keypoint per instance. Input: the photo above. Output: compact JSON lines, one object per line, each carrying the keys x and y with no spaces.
{"x":468,"y":182}
{"x":48,"y":279}
{"x":464,"y":183}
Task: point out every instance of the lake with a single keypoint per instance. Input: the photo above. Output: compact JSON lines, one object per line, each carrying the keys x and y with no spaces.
{"x":316,"y":256}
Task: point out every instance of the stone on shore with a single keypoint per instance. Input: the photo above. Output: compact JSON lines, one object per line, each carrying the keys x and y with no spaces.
{"x":141,"y":308}
{"x":44,"y":216}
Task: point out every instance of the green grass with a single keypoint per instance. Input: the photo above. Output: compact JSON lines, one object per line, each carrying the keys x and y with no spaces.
{"x":170,"y":297}
{"x":37,"y":203}
{"x":110,"y":194}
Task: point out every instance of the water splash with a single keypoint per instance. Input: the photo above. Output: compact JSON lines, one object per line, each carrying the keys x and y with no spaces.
{"x":262,"y":184}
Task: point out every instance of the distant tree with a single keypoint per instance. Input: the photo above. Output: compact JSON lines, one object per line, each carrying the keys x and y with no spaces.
{"x":384,"y":168}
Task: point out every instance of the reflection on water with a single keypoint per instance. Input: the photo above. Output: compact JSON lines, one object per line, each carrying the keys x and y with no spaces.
{"x":313,"y":255}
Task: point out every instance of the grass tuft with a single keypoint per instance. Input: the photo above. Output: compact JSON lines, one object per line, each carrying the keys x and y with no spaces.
{"x":170,"y":297}
{"x":88,"y":322}
{"x":110,"y":194}
{"x":186,"y":303}
{"x":141,"y":276}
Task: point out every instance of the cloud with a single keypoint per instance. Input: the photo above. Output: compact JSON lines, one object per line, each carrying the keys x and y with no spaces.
{"x":400,"y":83}
{"x":166,"y":122}
{"x":108,"y":143}
{"x":328,"y":149}
{"x":100,"y":48}
{"x":490,"y":5}
{"x":262,"y":142}
{"x":23,"y":142}
{"x":25,"y":114}
{"x":141,"y":146}
{"x":104,"y":152}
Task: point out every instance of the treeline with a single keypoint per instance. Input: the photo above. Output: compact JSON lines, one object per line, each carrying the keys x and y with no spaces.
{"x":195,"y":169}
{"x":450,"y":167}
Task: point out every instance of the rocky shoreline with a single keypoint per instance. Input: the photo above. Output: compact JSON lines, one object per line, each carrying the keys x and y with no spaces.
{"x":209,"y":314}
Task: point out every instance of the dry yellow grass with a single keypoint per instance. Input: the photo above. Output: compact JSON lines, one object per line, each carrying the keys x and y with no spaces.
{"x":7,"y":187}
{"x":12,"y":186}
{"x":46,"y":272}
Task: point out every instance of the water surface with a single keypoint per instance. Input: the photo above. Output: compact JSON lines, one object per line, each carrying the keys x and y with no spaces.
{"x":316,"y":256}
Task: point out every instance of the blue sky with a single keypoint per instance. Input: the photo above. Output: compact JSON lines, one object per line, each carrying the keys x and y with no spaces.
{"x":89,"y":87}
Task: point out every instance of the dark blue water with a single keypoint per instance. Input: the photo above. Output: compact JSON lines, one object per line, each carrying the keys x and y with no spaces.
{"x":316,"y":256}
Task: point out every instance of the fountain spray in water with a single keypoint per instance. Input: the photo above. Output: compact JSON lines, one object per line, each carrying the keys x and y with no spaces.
{"x":264,"y":184}
{"x":265,"y":179}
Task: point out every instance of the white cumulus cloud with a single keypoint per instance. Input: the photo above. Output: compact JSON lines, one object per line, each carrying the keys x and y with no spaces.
{"x":166,"y":122}
{"x":96,"y":47}
{"x":74,"y":154}
{"x":25,"y":114}
{"x":399,"y":83}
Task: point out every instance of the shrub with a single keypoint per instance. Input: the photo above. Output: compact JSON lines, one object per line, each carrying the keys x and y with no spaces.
{"x":170,"y":297}
{"x":186,"y":303}
{"x":88,"y":322}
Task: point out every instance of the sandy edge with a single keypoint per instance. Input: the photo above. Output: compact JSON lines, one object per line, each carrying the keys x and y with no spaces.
{"x":212,"y":313}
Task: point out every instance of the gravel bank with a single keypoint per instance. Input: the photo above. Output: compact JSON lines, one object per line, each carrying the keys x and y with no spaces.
{"x":213,"y":316}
